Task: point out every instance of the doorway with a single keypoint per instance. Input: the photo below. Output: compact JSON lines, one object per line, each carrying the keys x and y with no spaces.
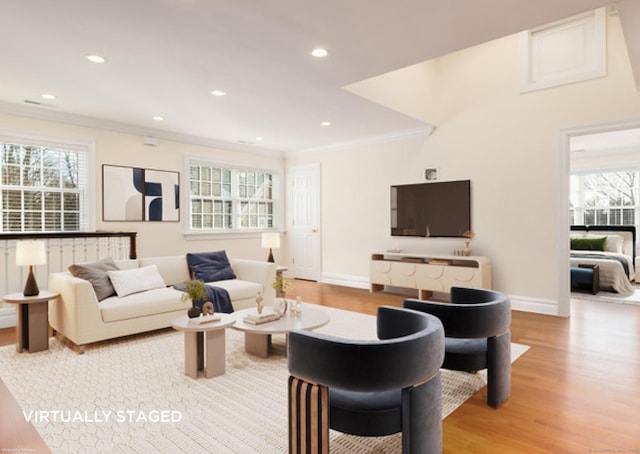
{"x":590,"y":149}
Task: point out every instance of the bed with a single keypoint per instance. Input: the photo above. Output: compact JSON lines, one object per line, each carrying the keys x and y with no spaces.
{"x":612,"y":248}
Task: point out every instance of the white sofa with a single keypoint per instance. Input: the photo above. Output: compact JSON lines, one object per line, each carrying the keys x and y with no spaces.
{"x":77,"y":315}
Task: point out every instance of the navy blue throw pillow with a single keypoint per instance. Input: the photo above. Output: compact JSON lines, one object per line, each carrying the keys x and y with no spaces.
{"x":210,"y":266}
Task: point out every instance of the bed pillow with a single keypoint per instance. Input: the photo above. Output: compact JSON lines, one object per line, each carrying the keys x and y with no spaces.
{"x":210,"y":266}
{"x":589,"y":244}
{"x":96,"y":273}
{"x":136,"y":280}
{"x":614,"y":243}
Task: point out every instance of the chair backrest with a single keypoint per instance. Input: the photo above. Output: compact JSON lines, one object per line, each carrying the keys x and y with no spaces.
{"x":411,"y":350}
{"x":472,"y":312}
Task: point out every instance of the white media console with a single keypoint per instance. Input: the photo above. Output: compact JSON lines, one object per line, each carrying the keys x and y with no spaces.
{"x":428,"y":273}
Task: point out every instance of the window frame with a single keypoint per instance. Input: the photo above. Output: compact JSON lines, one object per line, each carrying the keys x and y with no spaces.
{"x":86,"y":147}
{"x":277,"y":199}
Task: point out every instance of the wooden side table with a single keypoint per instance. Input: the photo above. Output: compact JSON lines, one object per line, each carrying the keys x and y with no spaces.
{"x":32,"y":328}
{"x":204,"y":345}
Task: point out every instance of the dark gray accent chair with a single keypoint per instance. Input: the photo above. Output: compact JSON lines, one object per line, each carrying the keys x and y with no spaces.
{"x":477,"y":336}
{"x":374,"y":387}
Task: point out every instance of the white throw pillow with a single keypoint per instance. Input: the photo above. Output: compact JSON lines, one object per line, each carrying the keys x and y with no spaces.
{"x":136,"y":280}
{"x":614,"y":244}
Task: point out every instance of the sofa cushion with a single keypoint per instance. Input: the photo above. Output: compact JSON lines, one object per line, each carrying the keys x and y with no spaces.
{"x":210,"y":266}
{"x":239,"y":289}
{"x":96,"y":274}
{"x":173,"y":269}
{"x":136,"y":280}
{"x":142,"y":304}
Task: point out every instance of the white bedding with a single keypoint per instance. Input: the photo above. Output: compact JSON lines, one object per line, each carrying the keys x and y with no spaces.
{"x":612,"y":273}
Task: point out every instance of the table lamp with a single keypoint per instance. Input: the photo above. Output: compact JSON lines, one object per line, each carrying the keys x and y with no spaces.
{"x":30,"y":253}
{"x":270,"y":240}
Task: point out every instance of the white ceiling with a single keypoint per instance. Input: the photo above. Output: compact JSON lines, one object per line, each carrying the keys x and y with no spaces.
{"x":606,"y":143}
{"x":165,"y":56}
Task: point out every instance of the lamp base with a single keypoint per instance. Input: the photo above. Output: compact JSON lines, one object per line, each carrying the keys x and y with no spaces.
{"x":270,"y":259}
{"x":31,"y":287}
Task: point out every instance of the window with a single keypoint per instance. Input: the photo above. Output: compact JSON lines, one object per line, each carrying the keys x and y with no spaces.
{"x":224,"y":198}
{"x":43,"y":188}
{"x":605,"y":198}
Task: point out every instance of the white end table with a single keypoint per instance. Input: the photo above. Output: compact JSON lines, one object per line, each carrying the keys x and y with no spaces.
{"x":32,"y":327}
{"x":258,"y":337}
{"x":204,"y":345}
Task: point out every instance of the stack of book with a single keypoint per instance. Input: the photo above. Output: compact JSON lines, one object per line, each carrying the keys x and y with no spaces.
{"x":257,"y":319}
{"x":205,"y":319}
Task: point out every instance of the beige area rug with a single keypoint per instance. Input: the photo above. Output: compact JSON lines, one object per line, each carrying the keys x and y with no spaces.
{"x":131,"y":396}
{"x":610,"y":297}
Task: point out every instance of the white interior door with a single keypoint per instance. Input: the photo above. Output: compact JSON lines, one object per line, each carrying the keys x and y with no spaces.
{"x":304,"y":222}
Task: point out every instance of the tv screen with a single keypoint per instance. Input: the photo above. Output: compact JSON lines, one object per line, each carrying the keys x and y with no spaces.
{"x":441,"y":209}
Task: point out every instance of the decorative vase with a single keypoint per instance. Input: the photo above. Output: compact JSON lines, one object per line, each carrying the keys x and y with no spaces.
{"x":194,"y":311}
{"x":283,"y":305}
{"x":467,"y":250}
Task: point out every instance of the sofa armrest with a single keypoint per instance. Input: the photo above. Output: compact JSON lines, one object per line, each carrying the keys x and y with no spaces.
{"x":75,"y":312}
{"x":263,"y":273}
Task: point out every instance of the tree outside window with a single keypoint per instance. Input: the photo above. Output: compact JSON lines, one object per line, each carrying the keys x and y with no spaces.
{"x":604,"y":198}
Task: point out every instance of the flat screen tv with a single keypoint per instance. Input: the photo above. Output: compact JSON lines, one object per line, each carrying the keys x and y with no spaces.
{"x":439,"y":209}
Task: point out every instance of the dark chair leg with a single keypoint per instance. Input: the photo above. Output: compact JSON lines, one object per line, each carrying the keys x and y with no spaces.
{"x":308,"y":417}
{"x":422,"y":418}
{"x":498,"y":369}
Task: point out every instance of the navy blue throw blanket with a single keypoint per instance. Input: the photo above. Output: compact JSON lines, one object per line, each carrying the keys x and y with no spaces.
{"x":217,"y":295}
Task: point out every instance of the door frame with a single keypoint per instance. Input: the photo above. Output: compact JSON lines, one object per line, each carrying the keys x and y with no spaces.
{"x":564,"y":172}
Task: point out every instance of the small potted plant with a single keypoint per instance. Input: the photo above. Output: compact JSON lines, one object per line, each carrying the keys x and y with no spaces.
{"x":281,"y":284}
{"x":194,"y":290}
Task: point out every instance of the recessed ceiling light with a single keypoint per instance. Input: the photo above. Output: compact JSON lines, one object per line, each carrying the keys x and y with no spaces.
{"x":319,"y":52}
{"x":158,"y":118}
{"x":326,"y":123}
{"x":96,"y":59}
{"x":218,"y":93}
{"x":259,"y":139}
{"x":48,"y":96}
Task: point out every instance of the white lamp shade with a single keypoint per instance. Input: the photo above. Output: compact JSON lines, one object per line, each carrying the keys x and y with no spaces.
{"x":270,"y":240}
{"x":30,"y":253}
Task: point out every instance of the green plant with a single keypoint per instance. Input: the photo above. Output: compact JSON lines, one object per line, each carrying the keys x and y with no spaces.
{"x":282,"y":283}
{"x":194,"y":290}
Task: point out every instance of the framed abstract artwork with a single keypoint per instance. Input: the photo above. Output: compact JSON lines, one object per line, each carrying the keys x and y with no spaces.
{"x":137,"y":194}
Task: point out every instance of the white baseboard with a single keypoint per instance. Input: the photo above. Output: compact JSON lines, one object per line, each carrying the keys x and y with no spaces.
{"x":345,"y":280}
{"x":518,"y":303}
{"x":7,"y":317}
{"x":537,"y":305}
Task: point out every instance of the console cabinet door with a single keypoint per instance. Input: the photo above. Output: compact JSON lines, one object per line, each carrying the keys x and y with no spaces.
{"x":461,"y":276}
{"x":430,"y":277}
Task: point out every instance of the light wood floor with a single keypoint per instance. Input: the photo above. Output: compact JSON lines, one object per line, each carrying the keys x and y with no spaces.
{"x":576,"y":390}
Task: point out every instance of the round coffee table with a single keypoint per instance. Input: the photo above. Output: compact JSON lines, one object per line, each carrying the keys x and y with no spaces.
{"x":258,"y":337}
{"x":204,"y":345}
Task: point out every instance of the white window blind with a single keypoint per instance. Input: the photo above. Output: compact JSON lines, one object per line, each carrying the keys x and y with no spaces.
{"x":44,"y":187}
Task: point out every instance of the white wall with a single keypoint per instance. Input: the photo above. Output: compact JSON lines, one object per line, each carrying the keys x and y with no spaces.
{"x":504,"y":142}
{"x":154,"y":238}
